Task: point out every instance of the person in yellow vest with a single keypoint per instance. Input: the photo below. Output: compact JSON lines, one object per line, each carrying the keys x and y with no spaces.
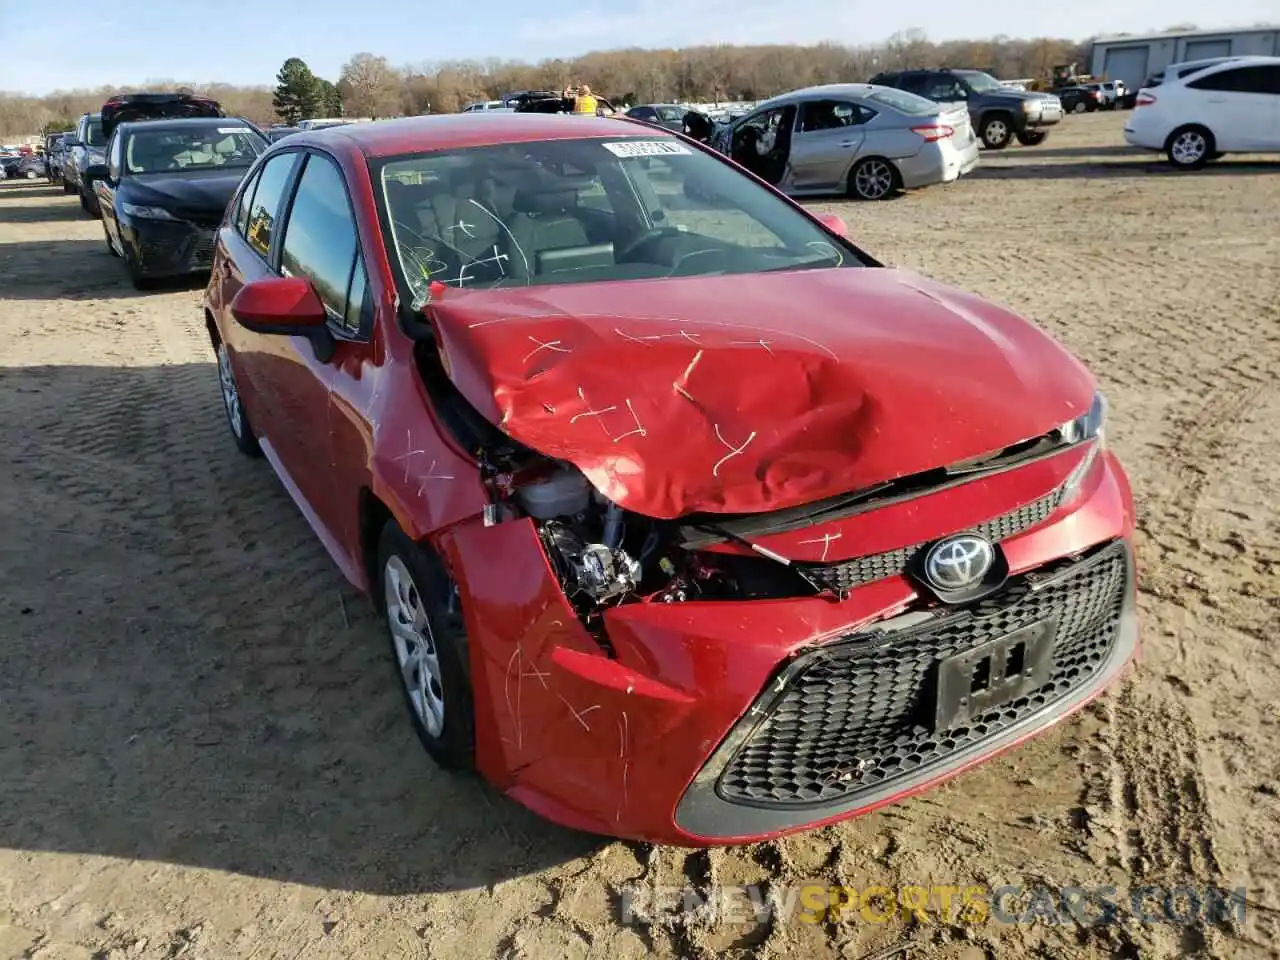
{"x":585,"y":103}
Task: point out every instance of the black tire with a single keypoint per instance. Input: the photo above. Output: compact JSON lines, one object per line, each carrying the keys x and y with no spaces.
{"x":873,"y":178}
{"x":997,"y":131}
{"x":1189,"y":147}
{"x":106,"y":236}
{"x":84,"y":203}
{"x":1032,"y":138}
{"x":139,"y":280}
{"x":68,"y":187}
{"x":238,"y":424}
{"x":1079,"y":106}
{"x":429,"y":590}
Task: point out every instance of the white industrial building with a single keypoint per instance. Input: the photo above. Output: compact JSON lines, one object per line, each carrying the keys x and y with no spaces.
{"x":1133,"y":59}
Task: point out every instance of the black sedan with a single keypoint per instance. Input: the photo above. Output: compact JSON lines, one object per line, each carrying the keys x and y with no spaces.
{"x":669,"y":115}
{"x":167,"y":185}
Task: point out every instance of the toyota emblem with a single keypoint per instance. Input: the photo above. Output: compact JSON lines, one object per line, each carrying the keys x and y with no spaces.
{"x":958,"y":562}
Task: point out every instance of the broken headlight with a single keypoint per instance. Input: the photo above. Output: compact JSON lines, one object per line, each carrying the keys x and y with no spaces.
{"x":1088,"y":428}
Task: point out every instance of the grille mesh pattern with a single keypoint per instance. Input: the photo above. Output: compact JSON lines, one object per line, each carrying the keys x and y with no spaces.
{"x":857,"y":714}
{"x":848,"y":574}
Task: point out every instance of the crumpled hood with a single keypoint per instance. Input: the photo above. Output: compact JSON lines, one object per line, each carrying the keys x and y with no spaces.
{"x":205,"y":190}
{"x":750,"y":393}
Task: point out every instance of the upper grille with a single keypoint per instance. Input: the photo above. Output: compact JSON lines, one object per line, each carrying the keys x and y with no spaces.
{"x":856,"y":714}
{"x":848,"y":574}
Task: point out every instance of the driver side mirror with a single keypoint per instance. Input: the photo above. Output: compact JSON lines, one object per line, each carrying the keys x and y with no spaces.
{"x":835,"y":223}
{"x":283,"y":306}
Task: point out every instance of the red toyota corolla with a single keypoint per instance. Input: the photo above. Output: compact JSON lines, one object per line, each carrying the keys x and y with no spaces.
{"x":690,"y":521}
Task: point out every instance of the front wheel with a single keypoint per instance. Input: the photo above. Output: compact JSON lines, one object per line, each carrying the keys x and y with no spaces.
{"x":1031,"y":138}
{"x":996,"y":133}
{"x":429,"y":647}
{"x":106,"y":235}
{"x":1190,"y":147}
{"x":872,"y":179}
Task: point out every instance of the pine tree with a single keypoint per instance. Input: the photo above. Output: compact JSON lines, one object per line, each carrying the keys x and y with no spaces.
{"x":330,"y":98}
{"x":297,"y":94}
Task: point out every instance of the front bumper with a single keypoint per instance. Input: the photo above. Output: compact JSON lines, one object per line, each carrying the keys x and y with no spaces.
{"x":168,"y":248}
{"x":728,"y":722}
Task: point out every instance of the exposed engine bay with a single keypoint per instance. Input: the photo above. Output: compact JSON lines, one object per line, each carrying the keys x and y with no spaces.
{"x":604,"y":555}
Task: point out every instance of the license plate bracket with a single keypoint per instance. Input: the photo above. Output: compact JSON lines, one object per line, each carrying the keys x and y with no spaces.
{"x":993,"y":674}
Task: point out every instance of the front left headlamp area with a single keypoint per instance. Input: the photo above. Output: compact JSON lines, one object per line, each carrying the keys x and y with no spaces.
{"x":1089,"y":428}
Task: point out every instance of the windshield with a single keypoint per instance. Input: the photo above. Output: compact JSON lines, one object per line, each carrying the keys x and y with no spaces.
{"x":191,"y":148}
{"x":93,"y":135}
{"x":904,"y":102}
{"x":980,"y":82}
{"x":583,"y":210}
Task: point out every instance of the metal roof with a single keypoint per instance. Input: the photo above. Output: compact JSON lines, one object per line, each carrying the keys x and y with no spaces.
{"x":1180,"y":34}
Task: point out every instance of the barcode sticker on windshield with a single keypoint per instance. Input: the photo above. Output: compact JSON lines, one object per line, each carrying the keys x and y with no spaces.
{"x":647,"y":148}
{"x":233,"y":129}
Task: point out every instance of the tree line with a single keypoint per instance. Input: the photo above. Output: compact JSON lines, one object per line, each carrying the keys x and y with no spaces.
{"x":370,"y":86}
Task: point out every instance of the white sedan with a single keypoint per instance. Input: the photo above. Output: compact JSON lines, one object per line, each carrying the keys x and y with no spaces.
{"x":1228,"y":107}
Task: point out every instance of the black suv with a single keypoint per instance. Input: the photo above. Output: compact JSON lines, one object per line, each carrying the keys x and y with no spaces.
{"x":998,"y":113}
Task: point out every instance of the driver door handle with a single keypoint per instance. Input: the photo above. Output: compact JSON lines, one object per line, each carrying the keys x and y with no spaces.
{"x":848,"y":143}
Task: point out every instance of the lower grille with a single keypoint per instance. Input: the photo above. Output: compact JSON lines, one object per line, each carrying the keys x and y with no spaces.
{"x":856,"y":714}
{"x":848,"y":574}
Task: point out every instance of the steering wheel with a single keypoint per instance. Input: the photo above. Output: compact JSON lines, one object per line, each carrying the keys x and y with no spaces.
{"x":649,"y":236}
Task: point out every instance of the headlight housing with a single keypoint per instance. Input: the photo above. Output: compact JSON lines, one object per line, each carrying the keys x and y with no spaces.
{"x":1088,"y":425}
{"x":146,"y":213}
{"x":1089,"y":428}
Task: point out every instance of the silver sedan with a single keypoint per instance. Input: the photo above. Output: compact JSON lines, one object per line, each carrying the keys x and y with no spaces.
{"x":857,"y":138}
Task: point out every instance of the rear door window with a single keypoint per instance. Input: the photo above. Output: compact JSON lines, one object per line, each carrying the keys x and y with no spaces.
{"x":265,"y":208}
{"x":246,"y":198}
{"x":1255,"y":79}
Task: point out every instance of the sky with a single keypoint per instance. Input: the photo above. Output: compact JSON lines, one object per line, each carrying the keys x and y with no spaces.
{"x":87,"y":43}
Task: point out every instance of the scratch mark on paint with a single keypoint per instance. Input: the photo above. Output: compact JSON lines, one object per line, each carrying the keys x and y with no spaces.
{"x":432,"y":475}
{"x":552,"y":345}
{"x":539,"y":675}
{"x":624,"y":728}
{"x":409,"y":453}
{"x":513,"y":710}
{"x":826,"y":540}
{"x":579,"y":715}
{"x":639,"y":428}
{"x":589,"y":412}
{"x":733,"y":451}
{"x":754,"y":343}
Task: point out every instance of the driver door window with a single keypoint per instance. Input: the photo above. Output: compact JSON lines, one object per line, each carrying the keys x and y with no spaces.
{"x":320,"y":242}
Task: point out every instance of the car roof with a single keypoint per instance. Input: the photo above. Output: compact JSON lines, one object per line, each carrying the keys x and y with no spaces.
{"x":481,"y":128}
{"x":1216,"y":66}
{"x":825,"y":90}
{"x":185,"y":123}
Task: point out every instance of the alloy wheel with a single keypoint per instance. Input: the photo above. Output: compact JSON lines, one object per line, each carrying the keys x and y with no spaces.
{"x":230,"y":395}
{"x":415,"y":645}
{"x":1188,"y":147}
{"x":873,"y":180}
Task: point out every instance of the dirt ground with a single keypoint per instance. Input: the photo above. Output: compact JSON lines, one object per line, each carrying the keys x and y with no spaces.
{"x":203,"y":754}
